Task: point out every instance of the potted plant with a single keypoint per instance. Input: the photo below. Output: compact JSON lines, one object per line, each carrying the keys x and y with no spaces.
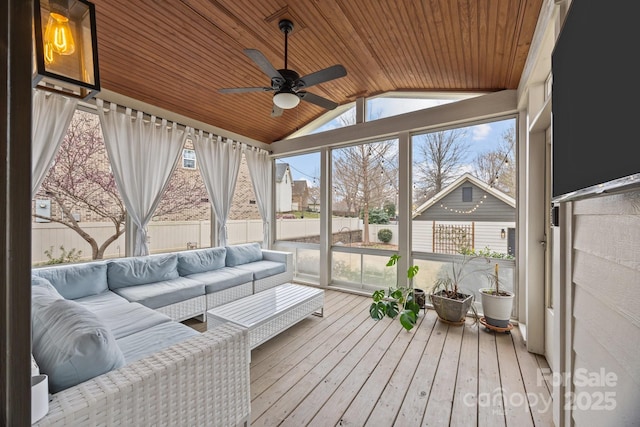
{"x":399,"y":301}
{"x":450,"y":302}
{"x":497,"y":303}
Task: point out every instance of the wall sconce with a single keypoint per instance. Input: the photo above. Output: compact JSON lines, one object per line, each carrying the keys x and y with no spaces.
{"x":66,"y":48}
{"x":503,"y":234}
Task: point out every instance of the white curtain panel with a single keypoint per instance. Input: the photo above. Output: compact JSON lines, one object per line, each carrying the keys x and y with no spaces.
{"x":52,"y":114}
{"x":259,"y":165}
{"x":219,"y":165}
{"x":143,"y":154}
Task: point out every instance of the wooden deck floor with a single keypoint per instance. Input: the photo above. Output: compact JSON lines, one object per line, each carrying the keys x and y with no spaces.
{"x":345,"y":369}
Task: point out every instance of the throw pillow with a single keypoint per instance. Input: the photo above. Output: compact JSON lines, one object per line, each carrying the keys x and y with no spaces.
{"x":243,"y":254}
{"x":201,"y":260}
{"x":70,"y":343}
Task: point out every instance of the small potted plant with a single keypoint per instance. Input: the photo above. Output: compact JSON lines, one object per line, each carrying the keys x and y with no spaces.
{"x":497,"y":303}
{"x":397,"y":301}
{"x":450,"y":302}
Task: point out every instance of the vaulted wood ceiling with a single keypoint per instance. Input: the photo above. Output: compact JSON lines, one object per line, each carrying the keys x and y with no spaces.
{"x":176,"y":54}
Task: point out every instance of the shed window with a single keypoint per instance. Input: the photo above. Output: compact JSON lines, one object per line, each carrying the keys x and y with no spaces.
{"x":467,"y":194}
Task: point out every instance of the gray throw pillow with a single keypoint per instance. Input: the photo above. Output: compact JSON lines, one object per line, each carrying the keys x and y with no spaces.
{"x":70,"y":343}
{"x":243,"y":254}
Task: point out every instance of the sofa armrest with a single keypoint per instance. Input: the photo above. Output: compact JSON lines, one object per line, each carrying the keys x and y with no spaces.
{"x":279,"y":256}
{"x":201,"y":381}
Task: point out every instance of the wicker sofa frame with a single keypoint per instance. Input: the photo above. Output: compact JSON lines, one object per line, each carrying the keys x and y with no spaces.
{"x":203,"y":381}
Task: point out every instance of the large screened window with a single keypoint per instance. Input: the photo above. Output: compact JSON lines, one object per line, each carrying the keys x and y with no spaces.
{"x":463,"y":202}
{"x":364,"y":212}
{"x":297,"y":209}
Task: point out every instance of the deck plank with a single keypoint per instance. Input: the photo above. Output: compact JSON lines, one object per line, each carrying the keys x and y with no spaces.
{"x":532,"y":368}
{"x":387,"y":407}
{"x":360,"y":408}
{"x":412,"y":410}
{"x":516,"y":407}
{"x":332,"y":412}
{"x":441,"y":398}
{"x":464,"y":412}
{"x":490,"y":404}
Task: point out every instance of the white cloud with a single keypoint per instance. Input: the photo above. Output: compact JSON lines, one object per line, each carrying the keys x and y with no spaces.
{"x":480,"y":132}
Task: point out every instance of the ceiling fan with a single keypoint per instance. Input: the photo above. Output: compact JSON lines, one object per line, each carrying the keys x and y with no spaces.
{"x":287,"y":84}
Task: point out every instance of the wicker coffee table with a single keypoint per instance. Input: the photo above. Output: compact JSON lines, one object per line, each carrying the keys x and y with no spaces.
{"x":269,"y":312}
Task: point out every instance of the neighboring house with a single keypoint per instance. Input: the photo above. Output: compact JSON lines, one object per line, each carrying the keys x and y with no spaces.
{"x":283,"y":188}
{"x":468,"y":213}
{"x":244,"y":204}
{"x":300,"y":195}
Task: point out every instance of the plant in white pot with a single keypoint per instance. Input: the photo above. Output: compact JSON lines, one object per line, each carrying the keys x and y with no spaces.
{"x":497,"y":303}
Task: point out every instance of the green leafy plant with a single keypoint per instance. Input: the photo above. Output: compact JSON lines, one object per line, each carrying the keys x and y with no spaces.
{"x":65,"y":257}
{"x":385,"y":235}
{"x":495,"y":283}
{"x":397,"y":302}
{"x":485,"y":253}
{"x":376,"y":216}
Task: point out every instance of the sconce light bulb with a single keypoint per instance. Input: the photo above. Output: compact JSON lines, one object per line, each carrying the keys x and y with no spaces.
{"x":58,"y":37}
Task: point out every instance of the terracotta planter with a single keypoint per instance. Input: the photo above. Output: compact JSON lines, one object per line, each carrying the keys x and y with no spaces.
{"x":496,"y":308}
{"x":451,"y":310}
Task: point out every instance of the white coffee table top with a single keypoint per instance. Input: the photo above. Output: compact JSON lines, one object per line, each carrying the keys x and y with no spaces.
{"x":258,"y":308}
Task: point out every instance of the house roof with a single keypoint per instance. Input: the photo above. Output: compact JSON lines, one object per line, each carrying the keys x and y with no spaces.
{"x":281,"y":169}
{"x":176,"y":55}
{"x":467,"y":177}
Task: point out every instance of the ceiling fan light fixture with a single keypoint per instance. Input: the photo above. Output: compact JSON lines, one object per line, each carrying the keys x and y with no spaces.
{"x":286,"y":100}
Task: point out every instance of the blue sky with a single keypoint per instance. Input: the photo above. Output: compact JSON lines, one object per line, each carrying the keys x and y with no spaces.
{"x":480,"y":138}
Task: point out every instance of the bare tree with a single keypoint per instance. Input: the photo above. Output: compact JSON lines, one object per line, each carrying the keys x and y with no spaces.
{"x":314,"y":196}
{"x":365,"y":176}
{"x":498,"y":167}
{"x":80,"y":180}
{"x":438,"y":159}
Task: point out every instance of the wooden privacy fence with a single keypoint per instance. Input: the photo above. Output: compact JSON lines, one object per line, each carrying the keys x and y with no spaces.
{"x":451,"y":238}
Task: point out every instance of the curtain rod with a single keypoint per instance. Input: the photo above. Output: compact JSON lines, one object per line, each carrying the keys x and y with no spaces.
{"x":92,"y":107}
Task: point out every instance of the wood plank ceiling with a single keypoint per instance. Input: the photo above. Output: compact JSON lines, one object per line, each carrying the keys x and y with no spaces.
{"x":177,"y":54}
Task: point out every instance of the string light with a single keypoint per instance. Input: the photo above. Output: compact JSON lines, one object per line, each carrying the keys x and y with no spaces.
{"x":460,"y":211}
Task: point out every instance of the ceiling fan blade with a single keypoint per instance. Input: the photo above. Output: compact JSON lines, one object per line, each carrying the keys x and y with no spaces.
{"x":264,"y":64}
{"x":244,"y":89}
{"x":330,"y":73}
{"x":276,"y":111}
{"x":318,"y":100}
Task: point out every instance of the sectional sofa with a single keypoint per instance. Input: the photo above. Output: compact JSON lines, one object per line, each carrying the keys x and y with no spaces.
{"x":107,"y":334}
